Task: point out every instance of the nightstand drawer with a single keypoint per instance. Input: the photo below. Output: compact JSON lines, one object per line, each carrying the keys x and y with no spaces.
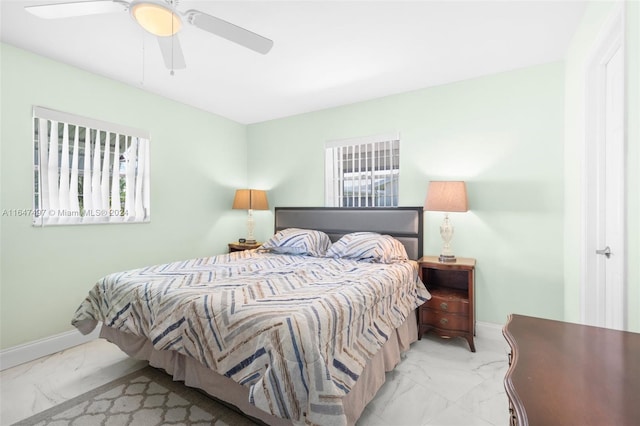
{"x":243,"y":246}
{"x":443,"y":320}
{"x":448,"y":302}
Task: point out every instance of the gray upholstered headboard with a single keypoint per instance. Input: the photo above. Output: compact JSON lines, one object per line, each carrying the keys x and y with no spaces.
{"x":403,"y":223}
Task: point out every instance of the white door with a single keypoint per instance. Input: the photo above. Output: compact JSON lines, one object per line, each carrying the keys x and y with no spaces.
{"x":604,"y":256}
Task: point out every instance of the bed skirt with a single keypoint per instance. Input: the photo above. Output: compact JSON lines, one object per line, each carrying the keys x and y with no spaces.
{"x":194,"y":374}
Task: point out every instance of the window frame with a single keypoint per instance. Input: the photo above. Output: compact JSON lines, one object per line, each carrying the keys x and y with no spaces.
{"x":362,"y":157}
{"x":67,"y":145}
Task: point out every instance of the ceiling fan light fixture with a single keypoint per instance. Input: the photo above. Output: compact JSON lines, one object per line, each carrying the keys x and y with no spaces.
{"x":157,"y":18}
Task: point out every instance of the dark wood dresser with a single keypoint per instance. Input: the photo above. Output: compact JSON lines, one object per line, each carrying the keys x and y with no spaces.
{"x":569,"y":374}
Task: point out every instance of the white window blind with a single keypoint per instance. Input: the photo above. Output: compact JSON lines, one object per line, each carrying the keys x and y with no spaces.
{"x":88,"y":171}
{"x":362,"y":172}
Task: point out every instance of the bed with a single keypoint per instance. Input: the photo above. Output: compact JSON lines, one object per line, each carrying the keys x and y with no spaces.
{"x":299,"y":331}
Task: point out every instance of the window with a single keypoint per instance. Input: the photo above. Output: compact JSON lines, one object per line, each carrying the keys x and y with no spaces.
{"x":362,"y":172}
{"x":88,"y":171}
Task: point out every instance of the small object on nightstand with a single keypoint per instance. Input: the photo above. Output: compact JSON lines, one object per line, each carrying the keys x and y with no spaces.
{"x":240,"y":246}
{"x":451,"y":310}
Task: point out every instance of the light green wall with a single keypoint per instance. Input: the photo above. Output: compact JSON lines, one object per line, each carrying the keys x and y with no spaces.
{"x":595,"y":17}
{"x":46,"y":272}
{"x":503,"y":134}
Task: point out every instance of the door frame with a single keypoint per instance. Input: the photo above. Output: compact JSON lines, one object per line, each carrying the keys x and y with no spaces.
{"x":610,"y":39}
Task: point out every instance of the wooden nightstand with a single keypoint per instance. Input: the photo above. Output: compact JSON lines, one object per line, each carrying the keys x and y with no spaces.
{"x":242,"y":246}
{"x":451,"y":310}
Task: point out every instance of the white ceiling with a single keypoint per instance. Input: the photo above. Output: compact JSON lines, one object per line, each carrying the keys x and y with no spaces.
{"x":325,"y":54}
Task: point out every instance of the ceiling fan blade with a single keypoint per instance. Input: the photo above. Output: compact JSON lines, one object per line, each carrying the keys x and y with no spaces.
{"x":80,"y":8}
{"x":171,"y":52}
{"x":229,"y":31}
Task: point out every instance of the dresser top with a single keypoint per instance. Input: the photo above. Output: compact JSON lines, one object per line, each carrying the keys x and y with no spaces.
{"x":564,"y":373}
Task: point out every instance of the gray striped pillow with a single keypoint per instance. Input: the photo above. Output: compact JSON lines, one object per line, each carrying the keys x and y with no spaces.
{"x":298,"y":241}
{"x":368,"y":247}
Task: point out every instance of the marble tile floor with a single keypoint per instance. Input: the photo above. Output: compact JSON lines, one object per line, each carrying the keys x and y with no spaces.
{"x":438,"y":383}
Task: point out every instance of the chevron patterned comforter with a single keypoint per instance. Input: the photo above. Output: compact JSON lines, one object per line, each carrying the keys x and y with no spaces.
{"x":297,"y":330}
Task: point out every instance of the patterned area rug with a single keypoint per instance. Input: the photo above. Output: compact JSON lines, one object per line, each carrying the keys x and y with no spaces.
{"x":147,"y":397}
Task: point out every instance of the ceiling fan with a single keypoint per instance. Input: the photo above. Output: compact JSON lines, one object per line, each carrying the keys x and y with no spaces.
{"x":162,"y":19}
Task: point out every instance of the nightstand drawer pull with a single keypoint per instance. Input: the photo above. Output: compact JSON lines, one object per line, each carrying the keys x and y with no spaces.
{"x":444,"y":321}
{"x":444,"y":306}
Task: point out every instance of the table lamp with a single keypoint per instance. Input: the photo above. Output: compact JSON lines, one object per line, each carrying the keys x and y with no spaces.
{"x":250,"y":200}
{"x":446,"y":196}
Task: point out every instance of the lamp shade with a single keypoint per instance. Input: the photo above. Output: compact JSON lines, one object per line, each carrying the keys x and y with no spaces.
{"x":446,"y":196}
{"x":250,"y":199}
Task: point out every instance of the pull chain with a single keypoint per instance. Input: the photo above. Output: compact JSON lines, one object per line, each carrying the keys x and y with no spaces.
{"x":172,"y":41}
{"x":143,"y":55}
{"x":173,"y":34}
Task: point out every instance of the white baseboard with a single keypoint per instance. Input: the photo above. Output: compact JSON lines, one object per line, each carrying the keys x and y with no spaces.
{"x":49,"y":345}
